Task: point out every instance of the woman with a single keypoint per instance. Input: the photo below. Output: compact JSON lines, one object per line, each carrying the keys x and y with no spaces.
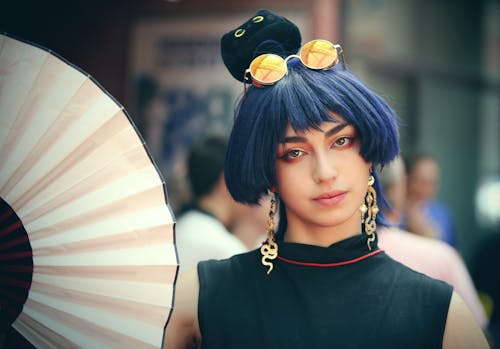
{"x":313,"y":135}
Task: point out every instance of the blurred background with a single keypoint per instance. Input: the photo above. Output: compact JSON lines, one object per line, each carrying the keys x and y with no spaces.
{"x":436,"y":61}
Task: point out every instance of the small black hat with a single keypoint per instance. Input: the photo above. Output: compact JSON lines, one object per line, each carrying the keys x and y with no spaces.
{"x":265,"y":32}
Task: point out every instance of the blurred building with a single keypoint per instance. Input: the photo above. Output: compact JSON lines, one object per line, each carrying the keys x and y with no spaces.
{"x":436,"y":62}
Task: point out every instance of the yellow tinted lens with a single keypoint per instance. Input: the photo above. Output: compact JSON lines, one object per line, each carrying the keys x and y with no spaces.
{"x":319,"y":54}
{"x":268,"y":69}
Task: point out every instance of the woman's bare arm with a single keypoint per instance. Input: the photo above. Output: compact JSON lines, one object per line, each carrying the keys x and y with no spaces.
{"x":183,"y":331}
{"x":462,"y":330}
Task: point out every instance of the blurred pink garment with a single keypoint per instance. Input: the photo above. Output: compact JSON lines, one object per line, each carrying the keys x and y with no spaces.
{"x":433,"y":258}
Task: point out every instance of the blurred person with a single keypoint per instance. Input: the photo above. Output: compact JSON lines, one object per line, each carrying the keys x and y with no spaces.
{"x":486,"y":257}
{"x":429,"y":256}
{"x":203,"y":227}
{"x":486,"y":275}
{"x":425,"y":215}
{"x":312,"y":134}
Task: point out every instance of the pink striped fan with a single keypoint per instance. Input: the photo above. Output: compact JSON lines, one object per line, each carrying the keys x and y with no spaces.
{"x":87,"y":254}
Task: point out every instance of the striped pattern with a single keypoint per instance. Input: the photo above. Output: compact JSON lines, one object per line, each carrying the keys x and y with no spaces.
{"x":16,"y":265}
{"x":79,"y":176}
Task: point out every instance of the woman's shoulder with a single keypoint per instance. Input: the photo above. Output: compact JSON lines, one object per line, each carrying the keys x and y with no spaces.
{"x":224,"y":267}
{"x":395,"y":271}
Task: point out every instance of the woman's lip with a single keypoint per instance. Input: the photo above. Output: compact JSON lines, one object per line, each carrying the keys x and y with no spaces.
{"x":330,"y":199}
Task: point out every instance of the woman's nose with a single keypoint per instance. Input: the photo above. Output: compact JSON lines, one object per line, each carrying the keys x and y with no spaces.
{"x":324,"y":168}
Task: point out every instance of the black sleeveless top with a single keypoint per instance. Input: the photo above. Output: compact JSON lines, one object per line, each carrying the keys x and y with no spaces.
{"x":343,"y":296}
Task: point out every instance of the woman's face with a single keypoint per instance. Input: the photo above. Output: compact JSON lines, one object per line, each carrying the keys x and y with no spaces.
{"x":322,"y":179}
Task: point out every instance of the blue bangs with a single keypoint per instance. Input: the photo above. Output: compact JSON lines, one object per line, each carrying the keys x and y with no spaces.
{"x":303,"y":99}
{"x":316,"y":93}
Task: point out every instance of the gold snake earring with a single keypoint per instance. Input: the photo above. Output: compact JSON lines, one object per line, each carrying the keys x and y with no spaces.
{"x":369,"y":212}
{"x":269,"y":248}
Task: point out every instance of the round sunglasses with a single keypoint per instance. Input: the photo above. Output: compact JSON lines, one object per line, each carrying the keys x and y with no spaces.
{"x":267,"y":69}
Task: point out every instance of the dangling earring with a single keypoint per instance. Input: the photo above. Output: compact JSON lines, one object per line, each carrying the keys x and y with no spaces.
{"x":370,"y":209}
{"x":269,"y":248}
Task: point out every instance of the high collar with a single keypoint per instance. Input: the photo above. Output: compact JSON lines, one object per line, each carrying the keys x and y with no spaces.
{"x":347,"y":251}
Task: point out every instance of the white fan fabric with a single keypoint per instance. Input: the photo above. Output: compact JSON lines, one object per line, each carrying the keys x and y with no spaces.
{"x":79,"y":176}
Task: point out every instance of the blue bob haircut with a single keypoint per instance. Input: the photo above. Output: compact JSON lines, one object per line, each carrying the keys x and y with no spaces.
{"x":303,"y":99}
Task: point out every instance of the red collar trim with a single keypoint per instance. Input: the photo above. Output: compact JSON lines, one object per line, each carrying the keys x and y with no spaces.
{"x":337,"y":264}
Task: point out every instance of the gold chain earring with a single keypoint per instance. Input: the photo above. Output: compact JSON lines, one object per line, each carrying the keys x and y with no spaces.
{"x":269,"y":248}
{"x":369,"y":212}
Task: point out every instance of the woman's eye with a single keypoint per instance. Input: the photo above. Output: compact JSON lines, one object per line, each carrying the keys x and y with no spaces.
{"x":343,"y":141}
{"x":292,"y":154}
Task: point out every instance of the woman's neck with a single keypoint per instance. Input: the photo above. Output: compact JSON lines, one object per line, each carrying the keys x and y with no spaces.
{"x":324,"y":236}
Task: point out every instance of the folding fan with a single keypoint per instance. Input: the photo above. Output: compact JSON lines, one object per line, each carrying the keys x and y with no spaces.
{"x":87,"y":255}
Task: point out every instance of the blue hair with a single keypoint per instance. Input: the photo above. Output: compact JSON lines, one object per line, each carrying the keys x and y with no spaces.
{"x":304,"y":99}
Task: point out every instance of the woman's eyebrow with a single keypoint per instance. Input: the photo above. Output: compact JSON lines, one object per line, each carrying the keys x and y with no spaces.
{"x":298,"y":139}
{"x":294,"y":139}
{"x":336,"y":129}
